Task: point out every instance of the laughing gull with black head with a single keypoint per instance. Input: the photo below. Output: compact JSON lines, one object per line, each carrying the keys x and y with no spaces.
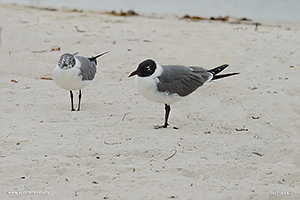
{"x":170,"y":83}
{"x":75,"y":72}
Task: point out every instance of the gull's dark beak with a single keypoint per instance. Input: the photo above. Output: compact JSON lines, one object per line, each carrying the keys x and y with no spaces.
{"x":133,"y":73}
{"x":64,"y":65}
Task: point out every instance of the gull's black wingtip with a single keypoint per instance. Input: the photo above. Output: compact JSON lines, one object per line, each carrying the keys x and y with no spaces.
{"x":95,"y":57}
{"x":217,"y":70}
{"x":223,"y":76}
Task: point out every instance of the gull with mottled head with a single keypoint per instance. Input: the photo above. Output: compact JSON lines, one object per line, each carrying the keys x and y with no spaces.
{"x":74,"y":73}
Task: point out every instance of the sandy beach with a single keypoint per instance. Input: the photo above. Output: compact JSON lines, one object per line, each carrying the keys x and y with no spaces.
{"x":237,"y":138}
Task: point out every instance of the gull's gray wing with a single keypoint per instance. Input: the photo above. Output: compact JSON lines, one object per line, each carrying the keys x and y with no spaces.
{"x":182,"y":80}
{"x":87,"y":68}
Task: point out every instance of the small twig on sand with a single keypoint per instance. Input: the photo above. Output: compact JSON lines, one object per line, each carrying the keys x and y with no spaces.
{"x":171,"y":155}
{"x":256,"y":25}
{"x":46,"y":78}
{"x":241,"y":129}
{"x":78,"y":30}
{"x":259,"y":154}
{"x":123,"y":118}
{"x":111,"y":143}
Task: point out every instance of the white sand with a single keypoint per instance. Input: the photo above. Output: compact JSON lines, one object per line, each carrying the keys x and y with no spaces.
{"x":110,"y":149}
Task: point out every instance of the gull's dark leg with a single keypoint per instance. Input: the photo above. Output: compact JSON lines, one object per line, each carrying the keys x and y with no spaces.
{"x":168,"y":109}
{"x":71,"y":96}
{"x":79,"y":99}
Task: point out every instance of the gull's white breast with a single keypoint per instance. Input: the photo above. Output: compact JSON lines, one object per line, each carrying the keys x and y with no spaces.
{"x":69,"y":79}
